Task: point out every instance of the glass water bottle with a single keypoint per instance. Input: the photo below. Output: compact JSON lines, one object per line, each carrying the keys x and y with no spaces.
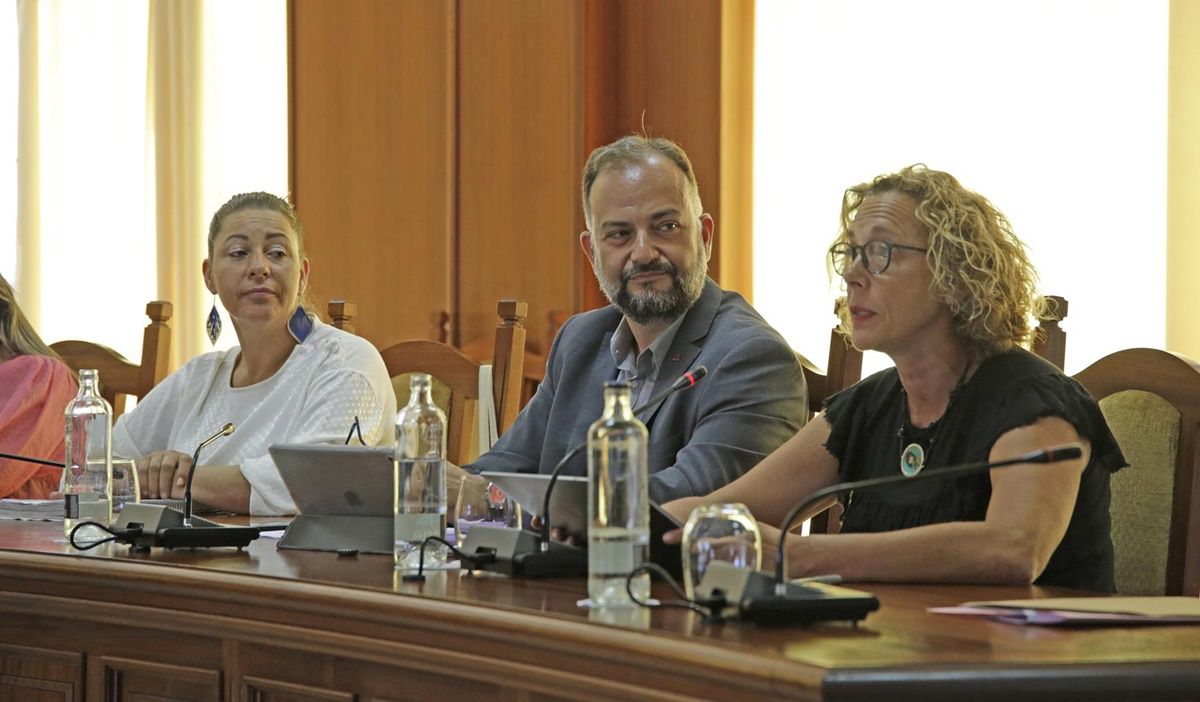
{"x":420,"y":477}
{"x":618,"y":503}
{"x":87,"y":469}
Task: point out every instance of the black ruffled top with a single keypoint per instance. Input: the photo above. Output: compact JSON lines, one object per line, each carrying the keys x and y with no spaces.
{"x":869,"y":430}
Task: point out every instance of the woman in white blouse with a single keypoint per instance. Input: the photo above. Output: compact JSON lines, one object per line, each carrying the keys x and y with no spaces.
{"x":291,"y":379}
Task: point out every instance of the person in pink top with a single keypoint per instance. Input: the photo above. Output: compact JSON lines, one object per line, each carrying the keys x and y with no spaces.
{"x":35,"y":387}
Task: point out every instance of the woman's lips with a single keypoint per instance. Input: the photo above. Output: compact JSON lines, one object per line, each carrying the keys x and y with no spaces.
{"x":860,"y":313}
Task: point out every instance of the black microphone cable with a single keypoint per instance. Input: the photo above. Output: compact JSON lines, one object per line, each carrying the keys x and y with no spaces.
{"x":115,"y":535}
{"x":710,"y":608}
{"x":684,"y":381}
{"x":419,"y":576}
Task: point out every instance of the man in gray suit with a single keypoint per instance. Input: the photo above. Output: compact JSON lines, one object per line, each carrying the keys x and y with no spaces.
{"x":649,"y":241}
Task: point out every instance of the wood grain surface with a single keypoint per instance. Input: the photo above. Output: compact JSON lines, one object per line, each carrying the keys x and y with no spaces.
{"x":267,"y":624}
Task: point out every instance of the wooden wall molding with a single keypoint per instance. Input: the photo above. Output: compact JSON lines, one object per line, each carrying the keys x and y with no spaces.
{"x":203,"y":624}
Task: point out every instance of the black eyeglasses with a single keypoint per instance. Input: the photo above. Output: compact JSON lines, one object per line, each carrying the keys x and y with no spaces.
{"x":876,"y":255}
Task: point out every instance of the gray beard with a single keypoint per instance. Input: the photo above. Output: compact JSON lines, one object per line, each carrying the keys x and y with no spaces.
{"x":652,"y":305}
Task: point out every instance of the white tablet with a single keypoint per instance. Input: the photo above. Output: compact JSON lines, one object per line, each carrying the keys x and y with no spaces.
{"x":568,"y":504}
{"x":337,"y":480}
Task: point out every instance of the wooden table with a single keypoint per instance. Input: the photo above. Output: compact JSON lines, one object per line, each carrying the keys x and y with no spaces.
{"x":266,"y":624}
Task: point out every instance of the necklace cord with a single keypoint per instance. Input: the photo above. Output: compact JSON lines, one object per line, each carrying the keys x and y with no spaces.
{"x":913,"y":455}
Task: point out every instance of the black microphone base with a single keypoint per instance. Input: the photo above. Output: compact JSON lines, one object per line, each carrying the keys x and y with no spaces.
{"x":566,"y":563}
{"x":163,"y":527}
{"x":803,"y":609}
{"x":518,"y":554}
{"x":201,"y":537}
{"x":752,"y":598}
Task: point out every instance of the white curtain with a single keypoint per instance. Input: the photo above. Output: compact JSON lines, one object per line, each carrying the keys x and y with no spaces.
{"x":175,"y":97}
{"x":126,"y":145}
{"x":82,"y":211}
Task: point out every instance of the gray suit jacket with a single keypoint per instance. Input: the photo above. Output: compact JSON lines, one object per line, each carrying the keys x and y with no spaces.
{"x":752,"y":400}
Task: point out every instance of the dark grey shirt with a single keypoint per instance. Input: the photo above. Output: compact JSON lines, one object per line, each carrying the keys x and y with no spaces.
{"x":641,"y":369}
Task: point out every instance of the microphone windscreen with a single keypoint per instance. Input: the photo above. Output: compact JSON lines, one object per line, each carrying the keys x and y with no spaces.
{"x":1053,"y":454}
{"x":1063,"y":453}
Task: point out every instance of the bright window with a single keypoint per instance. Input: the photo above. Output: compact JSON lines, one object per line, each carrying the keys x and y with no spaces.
{"x":8,"y":145}
{"x":1053,"y":109}
{"x":93,"y":172}
{"x":95,"y":152}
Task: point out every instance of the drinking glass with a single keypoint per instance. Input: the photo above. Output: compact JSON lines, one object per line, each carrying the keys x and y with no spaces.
{"x":125,"y":488}
{"x":720,"y":532}
{"x":480,"y":501}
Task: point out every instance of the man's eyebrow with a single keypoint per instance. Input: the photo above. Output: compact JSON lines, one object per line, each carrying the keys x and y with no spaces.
{"x":609,"y":223}
{"x":667,"y":212}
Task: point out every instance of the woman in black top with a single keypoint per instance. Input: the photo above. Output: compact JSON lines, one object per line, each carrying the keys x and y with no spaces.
{"x":936,"y":279}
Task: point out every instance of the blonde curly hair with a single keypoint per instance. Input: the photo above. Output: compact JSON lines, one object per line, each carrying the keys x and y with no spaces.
{"x":980,"y":268}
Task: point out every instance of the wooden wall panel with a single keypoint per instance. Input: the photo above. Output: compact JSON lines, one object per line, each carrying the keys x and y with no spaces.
{"x":372,"y":93}
{"x":437,"y":145}
{"x":40,"y":674}
{"x":520,"y":101}
{"x":124,"y":679}
{"x":681,"y":69}
{"x":656,"y":68}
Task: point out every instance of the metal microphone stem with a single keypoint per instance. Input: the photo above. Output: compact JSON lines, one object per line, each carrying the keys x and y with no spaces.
{"x":187,"y":488}
{"x":1048,"y":455}
{"x":686,"y":380}
{"x":31,"y":459}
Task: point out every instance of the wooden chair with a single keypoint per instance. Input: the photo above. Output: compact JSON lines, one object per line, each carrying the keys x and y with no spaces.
{"x":843,"y":369}
{"x":119,"y":377}
{"x":535,"y":363}
{"x":341,"y":314}
{"x":1050,"y":342}
{"x":456,"y":375}
{"x":1151,"y":399}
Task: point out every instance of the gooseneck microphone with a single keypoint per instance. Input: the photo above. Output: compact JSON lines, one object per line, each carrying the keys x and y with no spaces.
{"x":686,"y":380}
{"x":1046,"y":455}
{"x":187,"y":489}
{"x":144,"y":526}
{"x":31,"y":459}
{"x":773,"y":601}
{"x":521,"y":553}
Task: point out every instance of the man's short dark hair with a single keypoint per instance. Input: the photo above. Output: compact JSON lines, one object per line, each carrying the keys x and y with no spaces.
{"x":632,"y":149}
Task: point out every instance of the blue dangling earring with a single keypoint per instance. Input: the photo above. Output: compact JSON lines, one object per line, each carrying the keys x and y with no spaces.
{"x":213,"y":325}
{"x":300,"y":325}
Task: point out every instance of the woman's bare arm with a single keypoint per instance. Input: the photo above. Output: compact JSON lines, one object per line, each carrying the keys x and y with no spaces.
{"x":1030,"y":508}
{"x":792,"y":472}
